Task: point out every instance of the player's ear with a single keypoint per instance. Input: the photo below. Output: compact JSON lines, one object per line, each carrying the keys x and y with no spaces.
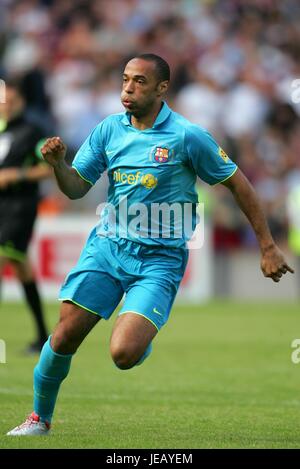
{"x":162,"y":87}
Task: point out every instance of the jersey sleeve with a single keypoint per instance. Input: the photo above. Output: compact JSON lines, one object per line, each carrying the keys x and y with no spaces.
{"x":207,"y":158}
{"x":89,"y":161}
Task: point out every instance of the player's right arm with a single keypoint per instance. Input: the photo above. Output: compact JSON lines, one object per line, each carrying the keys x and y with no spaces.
{"x":68,"y":179}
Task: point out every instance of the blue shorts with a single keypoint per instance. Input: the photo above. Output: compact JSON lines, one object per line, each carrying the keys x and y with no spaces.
{"x":106,"y":270}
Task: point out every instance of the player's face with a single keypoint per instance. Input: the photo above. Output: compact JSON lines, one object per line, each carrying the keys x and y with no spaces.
{"x":141,"y":88}
{"x":13,"y":106}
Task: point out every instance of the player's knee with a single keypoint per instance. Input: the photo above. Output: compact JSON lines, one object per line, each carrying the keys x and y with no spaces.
{"x":122,"y":357}
{"x":63,"y":339}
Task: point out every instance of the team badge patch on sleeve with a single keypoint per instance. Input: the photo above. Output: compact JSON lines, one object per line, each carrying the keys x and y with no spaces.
{"x":223,"y":155}
{"x":161,"y":155}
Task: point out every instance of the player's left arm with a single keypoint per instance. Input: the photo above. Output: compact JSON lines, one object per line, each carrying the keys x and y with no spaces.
{"x":273,"y":263}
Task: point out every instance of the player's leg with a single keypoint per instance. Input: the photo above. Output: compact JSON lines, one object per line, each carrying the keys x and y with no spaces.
{"x":148,"y":302}
{"x":54,"y":365}
{"x":88,"y":294}
{"x":26,"y":278}
{"x":131,"y":339}
{"x":74,"y":324}
{"x":55,"y":359}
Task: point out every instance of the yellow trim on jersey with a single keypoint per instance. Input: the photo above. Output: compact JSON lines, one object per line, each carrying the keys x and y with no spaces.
{"x":228,"y":177}
{"x":82,"y":177}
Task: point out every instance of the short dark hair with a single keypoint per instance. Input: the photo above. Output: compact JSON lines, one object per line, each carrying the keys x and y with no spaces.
{"x":162,"y":67}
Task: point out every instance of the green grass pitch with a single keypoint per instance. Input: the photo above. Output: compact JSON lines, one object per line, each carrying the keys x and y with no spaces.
{"x":220,"y":376}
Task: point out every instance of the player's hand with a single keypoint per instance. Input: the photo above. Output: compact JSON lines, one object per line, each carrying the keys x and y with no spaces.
{"x":273,"y":264}
{"x":54,"y":151}
{"x":9,"y":176}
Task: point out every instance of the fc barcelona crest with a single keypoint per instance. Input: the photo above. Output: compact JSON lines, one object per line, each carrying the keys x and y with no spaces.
{"x":223,"y":155}
{"x":161,"y":155}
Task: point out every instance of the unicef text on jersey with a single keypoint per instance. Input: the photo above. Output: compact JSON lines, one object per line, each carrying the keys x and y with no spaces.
{"x":169,"y":224}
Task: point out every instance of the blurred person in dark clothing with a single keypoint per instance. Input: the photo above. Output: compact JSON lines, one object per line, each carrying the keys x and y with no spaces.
{"x":21,"y":167}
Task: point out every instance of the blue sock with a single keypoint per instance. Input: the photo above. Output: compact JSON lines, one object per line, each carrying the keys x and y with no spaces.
{"x":145,"y":355}
{"x":48,"y":374}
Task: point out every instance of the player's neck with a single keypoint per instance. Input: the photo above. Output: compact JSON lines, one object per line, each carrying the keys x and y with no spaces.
{"x":147,"y":121}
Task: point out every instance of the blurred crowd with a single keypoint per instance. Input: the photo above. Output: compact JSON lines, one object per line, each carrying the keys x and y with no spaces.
{"x":233,"y":63}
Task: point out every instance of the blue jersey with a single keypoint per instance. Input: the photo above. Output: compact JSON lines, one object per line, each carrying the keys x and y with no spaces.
{"x":152,"y":175}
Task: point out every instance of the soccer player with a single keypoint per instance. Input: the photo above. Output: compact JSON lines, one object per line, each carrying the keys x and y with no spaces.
{"x":21,"y":167}
{"x":152,"y":155}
